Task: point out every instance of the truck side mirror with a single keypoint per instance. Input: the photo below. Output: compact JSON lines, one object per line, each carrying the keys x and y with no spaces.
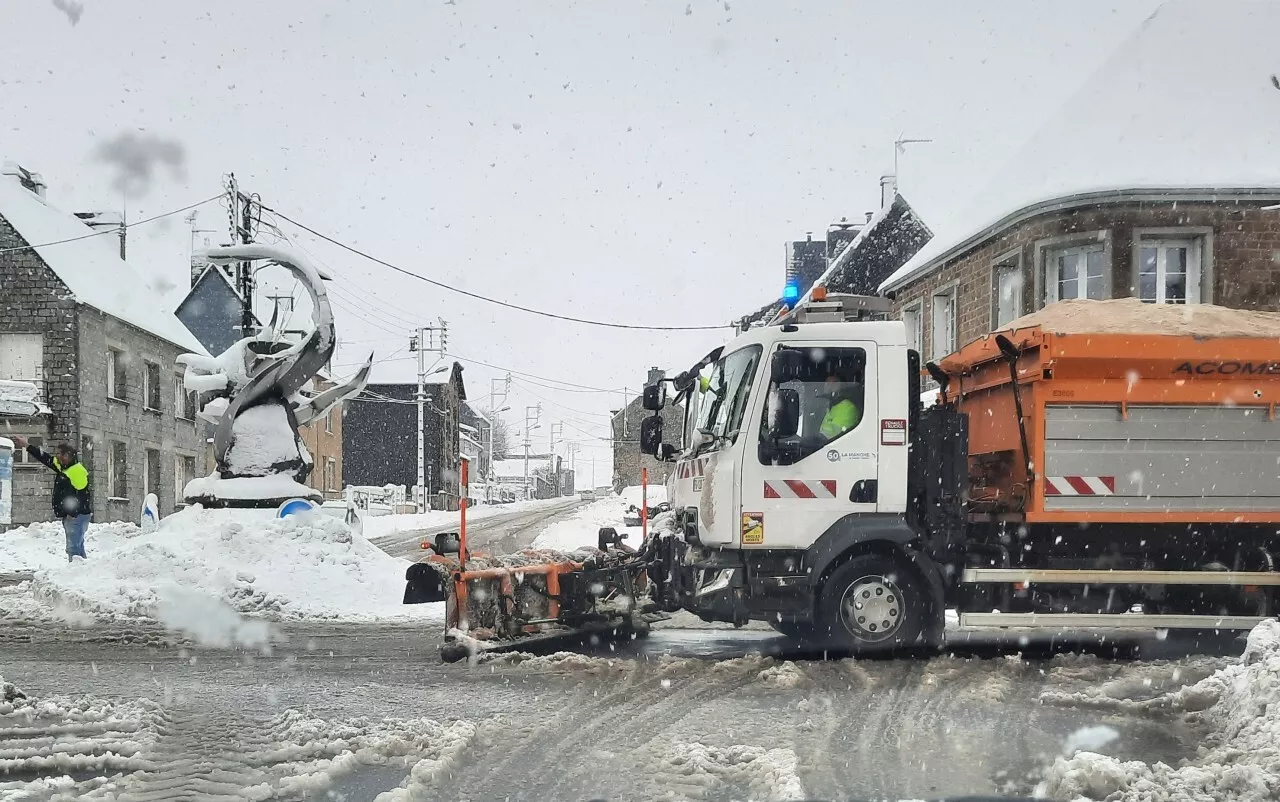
{"x":666,"y":453}
{"x":651,"y":435}
{"x":655,"y":396}
{"x":786,"y":414}
{"x":786,"y":365}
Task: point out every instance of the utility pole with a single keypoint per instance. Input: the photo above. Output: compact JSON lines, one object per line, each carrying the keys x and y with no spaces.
{"x":557,"y":435}
{"x":531,"y":417}
{"x":242,"y":233}
{"x":427,"y":338}
{"x":495,"y":408}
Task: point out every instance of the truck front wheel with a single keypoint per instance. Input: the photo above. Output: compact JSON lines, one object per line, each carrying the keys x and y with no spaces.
{"x":873,"y":604}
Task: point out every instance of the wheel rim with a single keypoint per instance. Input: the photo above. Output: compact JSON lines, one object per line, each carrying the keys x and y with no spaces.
{"x":871,"y":608}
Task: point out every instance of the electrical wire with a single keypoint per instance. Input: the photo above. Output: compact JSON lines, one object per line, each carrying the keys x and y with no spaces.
{"x":478,"y":297}
{"x":101,"y":232}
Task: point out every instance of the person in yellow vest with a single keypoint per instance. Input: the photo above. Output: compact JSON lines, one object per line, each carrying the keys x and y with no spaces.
{"x":72,"y":497}
{"x":843,"y":414}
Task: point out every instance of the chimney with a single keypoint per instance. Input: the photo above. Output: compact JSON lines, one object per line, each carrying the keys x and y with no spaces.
{"x":32,"y":182}
{"x":870,"y":215}
{"x":888,"y":189}
{"x":656,"y":374}
{"x":112,"y":221}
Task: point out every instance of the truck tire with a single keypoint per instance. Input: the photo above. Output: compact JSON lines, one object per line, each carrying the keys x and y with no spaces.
{"x":873,"y":604}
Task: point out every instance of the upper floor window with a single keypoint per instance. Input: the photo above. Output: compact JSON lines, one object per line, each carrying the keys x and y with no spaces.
{"x":943,"y":316}
{"x":117,"y":378}
{"x":151,"y":386}
{"x":1078,"y":271}
{"x":1006,"y":292}
{"x":22,"y":358}
{"x":913,"y":317}
{"x":1169,"y":271}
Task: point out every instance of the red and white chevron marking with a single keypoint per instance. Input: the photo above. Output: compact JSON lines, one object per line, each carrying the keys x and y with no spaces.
{"x":690,"y":469}
{"x":800,"y":488}
{"x":1079,"y":485}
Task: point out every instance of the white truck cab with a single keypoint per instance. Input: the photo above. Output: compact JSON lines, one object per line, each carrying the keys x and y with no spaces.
{"x":794,"y":448}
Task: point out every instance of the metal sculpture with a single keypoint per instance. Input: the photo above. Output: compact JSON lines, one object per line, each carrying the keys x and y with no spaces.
{"x":260,"y":390}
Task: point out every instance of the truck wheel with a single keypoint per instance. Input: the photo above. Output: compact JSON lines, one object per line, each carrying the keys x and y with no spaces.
{"x":873,"y":604}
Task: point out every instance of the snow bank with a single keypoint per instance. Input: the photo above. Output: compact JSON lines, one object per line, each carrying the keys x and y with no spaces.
{"x":583,"y":527}
{"x":1238,"y":707}
{"x":381,"y":526}
{"x":44,"y":545}
{"x":632,"y":495}
{"x":219,"y":562}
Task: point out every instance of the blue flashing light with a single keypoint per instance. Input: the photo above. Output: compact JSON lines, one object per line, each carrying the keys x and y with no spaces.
{"x":790,"y":294}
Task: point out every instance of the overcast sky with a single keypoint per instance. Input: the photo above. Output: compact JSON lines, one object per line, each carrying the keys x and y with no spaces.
{"x":635,"y":162}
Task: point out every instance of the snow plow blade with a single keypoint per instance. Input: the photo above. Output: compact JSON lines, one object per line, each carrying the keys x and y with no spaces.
{"x":509,"y":601}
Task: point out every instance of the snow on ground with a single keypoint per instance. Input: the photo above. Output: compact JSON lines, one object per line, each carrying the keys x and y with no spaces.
{"x":202,"y":570}
{"x":1238,"y":707}
{"x":292,"y":754}
{"x":44,"y":545}
{"x":698,"y":770}
{"x":379,"y":526}
{"x":583,"y":527}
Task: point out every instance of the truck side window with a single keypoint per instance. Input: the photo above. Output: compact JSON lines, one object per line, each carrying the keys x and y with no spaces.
{"x":831,"y":391}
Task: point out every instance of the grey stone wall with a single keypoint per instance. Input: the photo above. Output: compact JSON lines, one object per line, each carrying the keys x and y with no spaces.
{"x":36,"y":301}
{"x":105,"y":420}
{"x":627,"y":459}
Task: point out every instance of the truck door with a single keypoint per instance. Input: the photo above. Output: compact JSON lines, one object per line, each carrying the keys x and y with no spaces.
{"x":714,"y":469}
{"x":830,"y":468}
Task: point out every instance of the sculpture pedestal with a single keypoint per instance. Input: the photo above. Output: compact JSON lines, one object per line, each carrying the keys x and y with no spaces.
{"x":248,"y":491}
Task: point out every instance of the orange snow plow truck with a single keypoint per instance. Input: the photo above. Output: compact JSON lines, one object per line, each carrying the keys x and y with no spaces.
{"x":1095,"y":464}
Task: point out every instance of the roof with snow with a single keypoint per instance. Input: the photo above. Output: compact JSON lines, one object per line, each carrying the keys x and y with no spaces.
{"x":91,"y":268}
{"x":888,"y":240}
{"x":385,"y":372}
{"x":1186,"y":103}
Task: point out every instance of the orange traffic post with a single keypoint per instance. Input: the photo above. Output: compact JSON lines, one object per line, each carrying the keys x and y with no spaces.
{"x":644,"y":504}
{"x":462,"y":526}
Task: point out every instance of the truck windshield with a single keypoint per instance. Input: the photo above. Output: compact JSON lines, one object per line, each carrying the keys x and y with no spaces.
{"x":724,"y":401}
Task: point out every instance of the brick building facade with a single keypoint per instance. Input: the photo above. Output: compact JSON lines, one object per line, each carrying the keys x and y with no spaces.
{"x":323,"y":439}
{"x":110,"y":385}
{"x":1226,"y":240}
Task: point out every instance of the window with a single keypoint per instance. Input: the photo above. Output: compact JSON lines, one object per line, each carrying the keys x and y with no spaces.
{"x":1006,"y":293}
{"x":1169,"y":271}
{"x":831,"y":391}
{"x":151,"y":385}
{"x":117,"y":379}
{"x":151,"y":478}
{"x":117,"y":472}
{"x":728,"y":389}
{"x":20,"y":455}
{"x":184,"y":403}
{"x":943,"y":318}
{"x":1076,"y":272}
{"x":328,"y":422}
{"x":331,"y":474}
{"x":22,"y":358}
{"x":184,"y":469}
{"x":912,"y":316}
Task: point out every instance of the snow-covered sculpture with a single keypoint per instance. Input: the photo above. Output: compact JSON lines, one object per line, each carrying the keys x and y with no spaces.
{"x":259,"y":391}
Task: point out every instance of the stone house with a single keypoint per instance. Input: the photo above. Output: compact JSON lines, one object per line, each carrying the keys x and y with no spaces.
{"x":1100,"y":204}
{"x":625,"y":432}
{"x":380,"y":435}
{"x":84,"y":326}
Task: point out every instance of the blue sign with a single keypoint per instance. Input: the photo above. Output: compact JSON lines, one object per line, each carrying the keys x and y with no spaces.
{"x":294,"y":506}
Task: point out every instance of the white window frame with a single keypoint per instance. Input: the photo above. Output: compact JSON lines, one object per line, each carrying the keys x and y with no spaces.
{"x":937,"y":348}
{"x":1046,"y":291}
{"x":1200,"y":238}
{"x":114,"y":355}
{"x":182,"y":397}
{"x":148,"y":367}
{"x":916,"y":342}
{"x":1007,"y":264}
{"x":330,"y":474}
{"x":18,"y":349}
{"x":328,"y":421}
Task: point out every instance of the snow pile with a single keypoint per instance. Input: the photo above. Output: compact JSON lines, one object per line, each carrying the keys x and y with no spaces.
{"x":236,"y":561}
{"x":631,"y":496}
{"x":559,"y":661}
{"x":44,"y":545}
{"x":785,"y":675}
{"x":583,"y":527}
{"x":753,"y":772}
{"x":1238,"y":707}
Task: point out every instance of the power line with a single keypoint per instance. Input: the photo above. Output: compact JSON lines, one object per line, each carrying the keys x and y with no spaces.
{"x":125,"y":226}
{"x":582,"y":387}
{"x":479,"y":297}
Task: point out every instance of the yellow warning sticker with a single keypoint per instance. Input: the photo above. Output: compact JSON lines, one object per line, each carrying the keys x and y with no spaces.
{"x":752,"y":528}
